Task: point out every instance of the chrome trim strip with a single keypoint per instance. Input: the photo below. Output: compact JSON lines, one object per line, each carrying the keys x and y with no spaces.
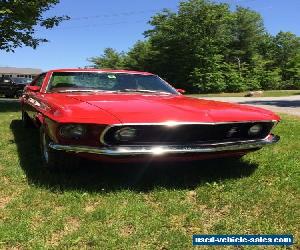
{"x":162,"y":150}
{"x":174,"y":123}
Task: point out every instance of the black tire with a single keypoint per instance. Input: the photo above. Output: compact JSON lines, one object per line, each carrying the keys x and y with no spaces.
{"x":53,"y":159}
{"x":26,"y":121}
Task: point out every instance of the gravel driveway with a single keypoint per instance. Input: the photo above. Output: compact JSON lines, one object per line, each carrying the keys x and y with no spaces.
{"x":286,"y":104}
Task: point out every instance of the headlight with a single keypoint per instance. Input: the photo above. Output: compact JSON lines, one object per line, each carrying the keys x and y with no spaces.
{"x":255,"y":130}
{"x":72,"y":131}
{"x":125,"y":134}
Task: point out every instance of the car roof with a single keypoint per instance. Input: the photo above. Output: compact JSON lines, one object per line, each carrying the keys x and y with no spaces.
{"x":102,"y":71}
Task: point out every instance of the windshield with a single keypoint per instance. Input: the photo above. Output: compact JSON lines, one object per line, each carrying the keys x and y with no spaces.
{"x":112,"y":82}
{"x":21,"y":80}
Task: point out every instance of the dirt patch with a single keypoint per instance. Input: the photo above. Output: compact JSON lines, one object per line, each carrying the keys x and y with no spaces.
{"x":91,"y":206}
{"x":4,"y":201}
{"x":212,"y":216}
{"x":191,"y":197}
{"x":152,"y":203}
{"x":127,"y":231}
{"x":178,"y":221}
{"x":71,"y":225}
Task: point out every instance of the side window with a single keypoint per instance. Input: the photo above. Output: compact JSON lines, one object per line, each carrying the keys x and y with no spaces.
{"x":39,"y":80}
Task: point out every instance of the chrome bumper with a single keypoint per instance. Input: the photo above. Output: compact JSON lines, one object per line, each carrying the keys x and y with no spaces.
{"x":160,"y":150}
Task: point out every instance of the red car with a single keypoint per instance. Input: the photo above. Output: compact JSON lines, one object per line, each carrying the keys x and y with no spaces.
{"x":132,"y":116}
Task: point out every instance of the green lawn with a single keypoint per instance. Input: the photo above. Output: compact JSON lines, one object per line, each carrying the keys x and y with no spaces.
{"x":268,"y":93}
{"x":145,"y":206}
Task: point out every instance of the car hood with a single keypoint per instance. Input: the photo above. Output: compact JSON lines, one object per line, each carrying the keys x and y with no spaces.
{"x":140,"y":108}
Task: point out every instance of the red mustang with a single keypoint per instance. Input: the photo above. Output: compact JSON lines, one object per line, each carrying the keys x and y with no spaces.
{"x":128,"y":115}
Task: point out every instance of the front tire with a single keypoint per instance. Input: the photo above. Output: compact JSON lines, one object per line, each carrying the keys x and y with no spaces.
{"x":52,"y":159}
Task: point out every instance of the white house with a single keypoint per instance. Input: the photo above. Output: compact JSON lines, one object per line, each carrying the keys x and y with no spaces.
{"x":19,"y":72}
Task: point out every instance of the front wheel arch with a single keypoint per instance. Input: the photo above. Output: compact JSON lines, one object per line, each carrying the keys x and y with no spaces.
{"x":53,"y":159}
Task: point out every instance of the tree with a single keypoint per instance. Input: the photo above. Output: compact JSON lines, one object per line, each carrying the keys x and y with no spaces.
{"x":287,"y":56}
{"x":262,"y":74}
{"x":138,"y":57}
{"x":247,"y":33}
{"x":209,"y":78}
{"x":19,"y":19}
{"x":189,"y":46}
{"x":234,"y":80}
{"x":110,"y":59}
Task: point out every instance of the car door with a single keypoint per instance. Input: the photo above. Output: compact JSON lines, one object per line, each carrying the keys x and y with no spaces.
{"x":31,"y":99}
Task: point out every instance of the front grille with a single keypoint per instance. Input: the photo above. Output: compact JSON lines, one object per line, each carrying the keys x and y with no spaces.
{"x":187,"y":134}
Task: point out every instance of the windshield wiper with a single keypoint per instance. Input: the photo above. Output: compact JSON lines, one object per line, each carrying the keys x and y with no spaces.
{"x":143,"y":91}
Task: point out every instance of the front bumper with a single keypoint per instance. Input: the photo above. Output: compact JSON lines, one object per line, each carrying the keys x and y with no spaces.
{"x":162,"y":150}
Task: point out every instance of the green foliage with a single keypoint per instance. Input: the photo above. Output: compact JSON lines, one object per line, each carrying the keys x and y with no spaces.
{"x":287,"y":57}
{"x":110,"y":59}
{"x":206,"y":47}
{"x":247,"y":32}
{"x":233,"y":78}
{"x":265,"y":76}
{"x":18,"y":20}
{"x":138,"y":57}
{"x":189,"y":45}
{"x":210,"y":78}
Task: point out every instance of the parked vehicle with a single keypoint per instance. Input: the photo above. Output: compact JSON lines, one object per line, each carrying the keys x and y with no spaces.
{"x":120,"y":115}
{"x":13,"y":86}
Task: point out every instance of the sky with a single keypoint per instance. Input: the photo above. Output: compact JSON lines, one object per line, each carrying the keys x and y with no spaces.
{"x":96,"y":25}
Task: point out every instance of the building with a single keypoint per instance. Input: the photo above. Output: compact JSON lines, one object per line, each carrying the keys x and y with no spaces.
{"x":19,"y":72}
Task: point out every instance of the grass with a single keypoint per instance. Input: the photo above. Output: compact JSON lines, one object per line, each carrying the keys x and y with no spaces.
{"x":146,"y":206}
{"x":268,"y":93}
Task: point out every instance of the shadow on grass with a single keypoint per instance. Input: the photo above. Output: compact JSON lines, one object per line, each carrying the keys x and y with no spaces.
{"x":9,"y":105}
{"x":95,"y":176}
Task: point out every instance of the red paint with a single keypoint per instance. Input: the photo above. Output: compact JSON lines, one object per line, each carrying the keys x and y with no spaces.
{"x":32,"y":88}
{"x":145,"y":108}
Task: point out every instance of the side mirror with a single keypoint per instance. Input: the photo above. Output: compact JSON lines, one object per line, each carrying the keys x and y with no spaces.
{"x":181,"y":91}
{"x":32,"y":88}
